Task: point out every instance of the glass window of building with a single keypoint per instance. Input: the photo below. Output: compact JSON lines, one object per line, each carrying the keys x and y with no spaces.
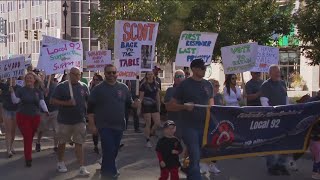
{"x":33,"y":24}
{"x":84,"y":32}
{"x":26,"y":24}
{"x":75,"y":7}
{"x":289,"y":66}
{"x":75,"y":32}
{"x":40,"y":22}
{"x":85,"y":20}
{"x":85,"y":44}
{"x":75,"y":19}
{"x":55,"y":19}
{"x":85,"y":7}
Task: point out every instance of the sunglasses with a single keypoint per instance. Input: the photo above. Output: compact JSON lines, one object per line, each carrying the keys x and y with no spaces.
{"x":233,"y":78}
{"x":96,"y":79}
{"x":179,"y":76}
{"x":111,"y":72}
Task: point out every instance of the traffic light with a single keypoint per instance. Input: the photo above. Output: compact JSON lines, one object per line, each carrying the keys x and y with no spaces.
{"x":26,"y":34}
{"x":35,"y":35}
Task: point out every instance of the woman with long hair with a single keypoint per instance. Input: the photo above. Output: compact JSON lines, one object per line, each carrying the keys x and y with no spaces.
{"x":150,"y":98}
{"x":231,"y":92}
{"x":30,"y":99}
{"x":96,"y":79}
{"x":9,"y":115}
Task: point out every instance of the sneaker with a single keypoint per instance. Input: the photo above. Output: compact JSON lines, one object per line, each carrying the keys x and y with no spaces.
{"x":61,"y":167}
{"x":83,"y":171}
{"x":292,"y":165}
{"x":203,"y":168}
{"x":116,"y":175}
{"x":13,"y":151}
{"x":149,"y":145}
{"x":315,"y":176}
{"x":28,"y":163}
{"x":38,"y":147}
{"x":10,"y":154}
{"x":213,"y":168}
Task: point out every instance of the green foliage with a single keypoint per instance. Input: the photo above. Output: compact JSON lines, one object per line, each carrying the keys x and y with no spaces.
{"x":308,"y":23}
{"x":235,"y":21}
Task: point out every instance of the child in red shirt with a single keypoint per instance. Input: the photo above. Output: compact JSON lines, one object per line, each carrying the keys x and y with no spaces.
{"x":168,"y":150}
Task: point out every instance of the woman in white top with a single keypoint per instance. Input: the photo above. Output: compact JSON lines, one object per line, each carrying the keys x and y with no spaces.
{"x":231,"y":92}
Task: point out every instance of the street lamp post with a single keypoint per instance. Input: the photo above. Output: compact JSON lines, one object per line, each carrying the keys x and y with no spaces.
{"x":65,"y":13}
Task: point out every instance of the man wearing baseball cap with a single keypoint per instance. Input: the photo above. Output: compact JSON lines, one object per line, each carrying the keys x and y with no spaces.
{"x":193,"y":90}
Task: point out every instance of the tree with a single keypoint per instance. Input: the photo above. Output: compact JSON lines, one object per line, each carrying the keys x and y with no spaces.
{"x":235,"y":21}
{"x":308,"y":24}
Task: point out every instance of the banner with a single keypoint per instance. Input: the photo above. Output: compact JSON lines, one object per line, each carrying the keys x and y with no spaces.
{"x":239,"y":58}
{"x":134,"y":47}
{"x":20,"y":83}
{"x":96,"y":60}
{"x":266,"y":56}
{"x":49,"y":41}
{"x":45,"y":42}
{"x":12,"y":67}
{"x":193,"y":45}
{"x":63,"y":56}
{"x":237,"y":132}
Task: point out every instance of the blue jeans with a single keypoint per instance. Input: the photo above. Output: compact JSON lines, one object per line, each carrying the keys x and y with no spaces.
{"x":110,"y":142}
{"x":274,"y":160}
{"x":193,"y":140}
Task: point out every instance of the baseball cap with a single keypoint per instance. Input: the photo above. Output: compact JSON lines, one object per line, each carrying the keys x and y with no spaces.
{"x":197,"y":63}
{"x":168,"y":123}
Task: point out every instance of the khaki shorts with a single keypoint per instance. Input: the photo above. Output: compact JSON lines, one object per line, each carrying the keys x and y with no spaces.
{"x":68,"y":133}
{"x":46,"y":121}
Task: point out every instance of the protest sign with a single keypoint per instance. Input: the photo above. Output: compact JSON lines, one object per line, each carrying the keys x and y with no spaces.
{"x":266,"y":56}
{"x":20,"y":83}
{"x":193,"y":45}
{"x":27,"y":62}
{"x":134,"y":47}
{"x":49,"y":41}
{"x":96,"y":60}
{"x":239,"y":58}
{"x":63,"y":56}
{"x":237,"y":132}
{"x":45,"y":42}
{"x":12,"y":67}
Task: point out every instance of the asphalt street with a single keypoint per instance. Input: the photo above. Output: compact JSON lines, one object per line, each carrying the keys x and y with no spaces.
{"x":135,"y":162}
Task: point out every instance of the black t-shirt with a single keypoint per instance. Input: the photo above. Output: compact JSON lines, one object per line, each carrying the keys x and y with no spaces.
{"x":150,"y":90}
{"x":165,"y":146}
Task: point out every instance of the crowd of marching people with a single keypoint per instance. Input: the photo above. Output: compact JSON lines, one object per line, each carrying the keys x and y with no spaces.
{"x":71,"y":106}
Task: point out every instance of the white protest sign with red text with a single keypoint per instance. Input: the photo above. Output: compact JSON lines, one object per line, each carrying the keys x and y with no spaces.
{"x":134,"y":47}
{"x":266,"y":56}
{"x":13,"y":67}
{"x":63,"y":56}
{"x":96,"y":60}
